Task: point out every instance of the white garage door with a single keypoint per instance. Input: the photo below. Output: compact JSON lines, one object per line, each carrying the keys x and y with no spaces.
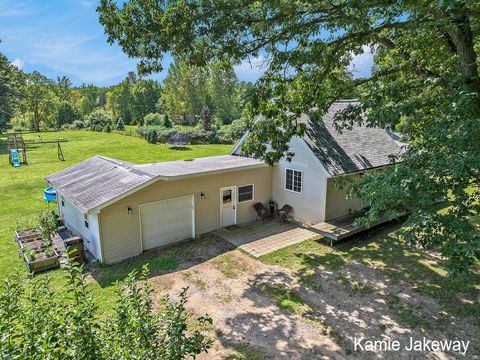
{"x":168,"y":221}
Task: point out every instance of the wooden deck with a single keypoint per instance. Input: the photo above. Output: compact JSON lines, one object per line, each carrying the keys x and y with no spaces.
{"x":342,"y":227}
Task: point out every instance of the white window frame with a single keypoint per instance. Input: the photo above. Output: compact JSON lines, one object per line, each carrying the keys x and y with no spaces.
{"x":238,"y":193}
{"x":293,"y":175}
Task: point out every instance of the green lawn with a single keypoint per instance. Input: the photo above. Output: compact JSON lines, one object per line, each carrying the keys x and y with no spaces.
{"x":22,"y":188}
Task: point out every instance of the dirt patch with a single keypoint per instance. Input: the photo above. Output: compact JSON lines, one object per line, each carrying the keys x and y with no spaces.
{"x":263,"y":311}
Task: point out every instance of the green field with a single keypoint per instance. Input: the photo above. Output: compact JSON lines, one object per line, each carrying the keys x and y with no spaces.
{"x":22,"y":188}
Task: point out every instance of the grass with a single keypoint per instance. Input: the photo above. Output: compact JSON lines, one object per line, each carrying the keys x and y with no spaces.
{"x":386,"y":252}
{"x":22,"y":191}
{"x":287,"y":299}
{"x":229,"y":266}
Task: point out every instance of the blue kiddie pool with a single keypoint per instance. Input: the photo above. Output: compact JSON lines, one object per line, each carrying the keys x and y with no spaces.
{"x":50,"y":194}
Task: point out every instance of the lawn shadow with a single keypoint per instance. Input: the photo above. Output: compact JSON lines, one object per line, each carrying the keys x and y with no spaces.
{"x":163,"y":260}
{"x":180,"y":148}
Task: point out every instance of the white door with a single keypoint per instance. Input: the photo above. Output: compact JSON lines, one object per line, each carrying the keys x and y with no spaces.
{"x":168,"y":221}
{"x":228,"y":206}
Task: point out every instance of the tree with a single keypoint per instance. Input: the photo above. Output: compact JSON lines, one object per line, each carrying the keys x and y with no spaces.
{"x":38,"y":98}
{"x":119,"y":99}
{"x":40,"y":320}
{"x":166,"y":121}
{"x":144,"y":97}
{"x":65,"y":114}
{"x":425,"y":83}
{"x":63,"y":89}
{"x":11,"y":80}
{"x":206,"y":122}
{"x":88,"y":101}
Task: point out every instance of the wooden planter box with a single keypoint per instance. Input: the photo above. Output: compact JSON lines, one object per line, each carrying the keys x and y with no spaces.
{"x":32,"y":238}
{"x":42,"y":262}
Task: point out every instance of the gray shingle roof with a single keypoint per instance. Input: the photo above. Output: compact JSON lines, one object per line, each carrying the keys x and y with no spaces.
{"x":353,"y":150}
{"x":99,"y":180}
{"x":96,"y":181}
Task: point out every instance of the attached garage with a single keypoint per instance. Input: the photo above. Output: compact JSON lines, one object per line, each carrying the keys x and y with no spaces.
{"x":166,"y":222}
{"x":141,"y":207}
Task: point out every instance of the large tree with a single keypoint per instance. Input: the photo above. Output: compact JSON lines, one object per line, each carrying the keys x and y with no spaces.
{"x":11,"y":80}
{"x":145,"y":95}
{"x":425,"y":83}
{"x":39,"y":99}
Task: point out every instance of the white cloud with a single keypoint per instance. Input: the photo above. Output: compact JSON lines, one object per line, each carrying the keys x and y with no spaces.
{"x":361,"y":64}
{"x":84,"y":57}
{"x":251,"y":69}
{"x":18,"y":63}
{"x":9,"y":8}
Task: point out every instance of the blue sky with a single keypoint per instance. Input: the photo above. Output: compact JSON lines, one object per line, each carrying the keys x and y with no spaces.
{"x":64,"y":38}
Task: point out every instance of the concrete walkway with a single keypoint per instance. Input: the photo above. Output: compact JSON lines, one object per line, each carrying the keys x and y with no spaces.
{"x":262,"y":237}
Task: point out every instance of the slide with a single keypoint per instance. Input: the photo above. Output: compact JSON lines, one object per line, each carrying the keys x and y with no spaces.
{"x":15,"y":159}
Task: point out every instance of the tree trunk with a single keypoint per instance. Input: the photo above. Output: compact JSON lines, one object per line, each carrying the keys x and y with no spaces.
{"x":462,"y":38}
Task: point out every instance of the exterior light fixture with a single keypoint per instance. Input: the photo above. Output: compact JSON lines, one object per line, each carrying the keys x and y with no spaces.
{"x":129,"y":210}
{"x":202,"y":196}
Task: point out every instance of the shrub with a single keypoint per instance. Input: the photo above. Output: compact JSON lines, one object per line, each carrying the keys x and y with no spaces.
{"x":230,"y":133}
{"x":153,"y":119}
{"x":98,"y":120}
{"x":39,"y":320}
{"x":167,"y":122}
{"x":152,"y":136}
{"x":108,"y":128}
{"x":77,"y":124}
{"x":120,"y":126}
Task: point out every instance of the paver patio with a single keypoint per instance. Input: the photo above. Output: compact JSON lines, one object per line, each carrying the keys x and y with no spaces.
{"x":262,"y":237}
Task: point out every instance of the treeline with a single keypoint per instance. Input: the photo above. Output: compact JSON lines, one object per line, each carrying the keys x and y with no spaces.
{"x":208,"y":97}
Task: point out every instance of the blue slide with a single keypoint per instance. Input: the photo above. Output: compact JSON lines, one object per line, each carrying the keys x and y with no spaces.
{"x":15,"y":159}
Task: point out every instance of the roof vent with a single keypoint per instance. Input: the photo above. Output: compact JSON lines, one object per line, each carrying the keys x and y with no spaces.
{"x":188,"y":160}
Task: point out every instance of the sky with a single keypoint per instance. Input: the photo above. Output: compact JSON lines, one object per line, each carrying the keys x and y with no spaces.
{"x":64,"y":37}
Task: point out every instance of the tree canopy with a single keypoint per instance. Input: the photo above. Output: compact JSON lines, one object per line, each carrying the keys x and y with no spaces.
{"x":425,"y":83}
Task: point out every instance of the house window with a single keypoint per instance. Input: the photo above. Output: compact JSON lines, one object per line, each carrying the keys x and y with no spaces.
{"x":293,"y":180}
{"x":245,"y":193}
{"x":63,"y":201}
{"x":85,"y":220}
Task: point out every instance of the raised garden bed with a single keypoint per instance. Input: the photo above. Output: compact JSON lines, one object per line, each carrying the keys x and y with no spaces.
{"x":39,"y":257}
{"x":42,"y":262}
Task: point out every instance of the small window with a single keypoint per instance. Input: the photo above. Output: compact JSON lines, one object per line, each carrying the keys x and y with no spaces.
{"x":63,"y":201}
{"x":293,"y":180}
{"x":245,"y":193}
{"x":227,"y":197}
{"x":85,"y":220}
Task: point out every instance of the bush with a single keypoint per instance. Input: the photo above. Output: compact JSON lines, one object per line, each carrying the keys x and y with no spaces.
{"x":167,"y":122}
{"x":228,"y":134}
{"x":40,"y":320}
{"x":98,"y":120}
{"x":120,"y":126}
{"x":153,"y":119}
{"x":152,"y":136}
{"x":108,"y":128}
{"x":77,"y":124}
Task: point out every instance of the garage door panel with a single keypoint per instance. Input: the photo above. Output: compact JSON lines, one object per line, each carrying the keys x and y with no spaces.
{"x":166,"y":221}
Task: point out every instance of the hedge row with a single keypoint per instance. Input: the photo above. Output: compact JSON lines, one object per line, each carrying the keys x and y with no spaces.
{"x":227,"y":134}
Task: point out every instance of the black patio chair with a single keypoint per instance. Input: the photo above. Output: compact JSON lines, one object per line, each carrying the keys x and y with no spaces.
{"x":284,"y":212}
{"x":262,"y":211}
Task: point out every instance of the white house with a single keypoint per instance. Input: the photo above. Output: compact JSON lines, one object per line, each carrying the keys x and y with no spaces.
{"x":122,"y":209}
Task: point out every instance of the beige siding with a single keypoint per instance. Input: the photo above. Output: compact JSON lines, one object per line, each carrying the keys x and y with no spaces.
{"x":337,"y":202}
{"x":309,"y":206}
{"x":121,"y":232}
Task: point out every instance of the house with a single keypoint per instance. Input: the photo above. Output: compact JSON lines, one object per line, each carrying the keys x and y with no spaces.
{"x":122,"y":209}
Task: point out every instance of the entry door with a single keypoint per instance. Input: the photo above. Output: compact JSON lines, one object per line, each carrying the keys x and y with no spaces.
{"x":228,"y":206}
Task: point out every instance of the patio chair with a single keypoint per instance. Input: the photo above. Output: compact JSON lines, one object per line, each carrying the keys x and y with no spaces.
{"x":262,"y":211}
{"x":284,"y":212}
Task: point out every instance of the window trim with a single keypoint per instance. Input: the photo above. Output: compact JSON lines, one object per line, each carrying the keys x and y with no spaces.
{"x":293,"y":175}
{"x":238,"y":193}
{"x":85,"y":221}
